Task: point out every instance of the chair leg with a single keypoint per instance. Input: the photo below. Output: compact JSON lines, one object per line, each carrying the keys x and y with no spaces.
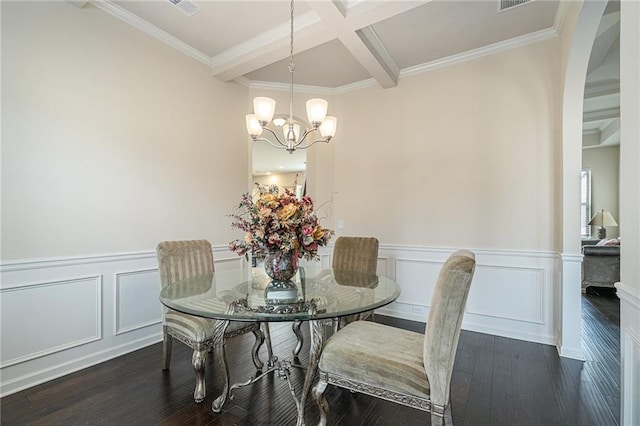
{"x":448,"y":416}
{"x":167,"y":343}
{"x":255,"y":352}
{"x":318,"y":396}
{"x":198,"y":360}
{"x":436,"y":420}
{"x":296,"y":330}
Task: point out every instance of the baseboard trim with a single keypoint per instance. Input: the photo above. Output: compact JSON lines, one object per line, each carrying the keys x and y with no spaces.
{"x":37,"y":377}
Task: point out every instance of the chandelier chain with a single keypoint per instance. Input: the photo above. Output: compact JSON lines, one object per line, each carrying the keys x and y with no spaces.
{"x":291,"y":69}
{"x":291,"y":66}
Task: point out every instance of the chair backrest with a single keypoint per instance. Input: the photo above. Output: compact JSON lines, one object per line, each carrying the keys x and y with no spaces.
{"x":179,"y":260}
{"x":444,"y":322}
{"x":356,"y":254}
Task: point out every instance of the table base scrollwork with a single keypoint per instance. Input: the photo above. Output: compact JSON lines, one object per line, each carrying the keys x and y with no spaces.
{"x":282,"y":367}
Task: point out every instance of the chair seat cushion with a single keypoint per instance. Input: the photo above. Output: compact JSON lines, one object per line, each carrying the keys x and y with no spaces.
{"x":379,"y":355}
{"x":195,"y":328}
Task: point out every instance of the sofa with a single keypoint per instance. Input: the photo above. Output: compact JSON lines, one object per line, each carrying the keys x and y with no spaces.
{"x":601,"y":264}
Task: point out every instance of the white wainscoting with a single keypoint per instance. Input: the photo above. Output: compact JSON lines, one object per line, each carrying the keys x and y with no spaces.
{"x":61,"y":315}
{"x":58,"y":316}
{"x":630,"y":352}
{"x":511,"y":294}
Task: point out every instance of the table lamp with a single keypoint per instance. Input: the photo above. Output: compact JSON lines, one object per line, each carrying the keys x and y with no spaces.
{"x":602,"y":218}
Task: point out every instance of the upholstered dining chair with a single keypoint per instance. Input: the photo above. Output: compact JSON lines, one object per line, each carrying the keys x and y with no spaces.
{"x":356,"y":254}
{"x":180,"y":260}
{"x":398,"y":365}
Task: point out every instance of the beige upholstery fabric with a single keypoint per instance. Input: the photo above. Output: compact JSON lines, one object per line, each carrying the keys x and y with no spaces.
{"x":398,"y":365}
{"x":358,"y":254}
{"x":355,"y":254}
{"x":444,"y":322}
{"x":376,"y":355}
{"x":181,"y":260}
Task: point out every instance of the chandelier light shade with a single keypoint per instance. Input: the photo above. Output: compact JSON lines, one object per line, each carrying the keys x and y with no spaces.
{"x":253,"y":125}
{"x":264,"y":108}
{"x":316,"y":110}
{"x":328,"y":127}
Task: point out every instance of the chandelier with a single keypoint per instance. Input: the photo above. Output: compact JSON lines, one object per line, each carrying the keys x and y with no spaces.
{"x":264,"y":109}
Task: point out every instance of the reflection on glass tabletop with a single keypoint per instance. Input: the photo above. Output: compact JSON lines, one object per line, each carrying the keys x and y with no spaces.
{"x":250,"y":295}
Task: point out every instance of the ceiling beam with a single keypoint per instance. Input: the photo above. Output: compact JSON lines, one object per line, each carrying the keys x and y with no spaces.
{"x":79,"y":3}
{"x":605,"y":114}
{"x":269,"y":47}
{"x":327,"y":21}
{"x":364,"y":45}
{"x":590,"y":139}
{"x":610,"y":135}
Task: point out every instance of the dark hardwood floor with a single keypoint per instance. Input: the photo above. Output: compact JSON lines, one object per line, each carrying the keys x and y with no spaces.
{"x":496,"y":381}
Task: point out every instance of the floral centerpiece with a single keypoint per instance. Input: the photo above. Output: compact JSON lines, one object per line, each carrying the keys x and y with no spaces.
{"x":279,"y":228}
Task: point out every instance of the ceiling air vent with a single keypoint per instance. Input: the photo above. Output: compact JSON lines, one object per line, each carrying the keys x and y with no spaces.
{"x":509,"y":4}
{"x":187,"y":6}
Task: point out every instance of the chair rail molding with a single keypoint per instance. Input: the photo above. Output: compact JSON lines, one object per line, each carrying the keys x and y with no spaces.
{"x":512,"y":296}
{"x":93,"y":307}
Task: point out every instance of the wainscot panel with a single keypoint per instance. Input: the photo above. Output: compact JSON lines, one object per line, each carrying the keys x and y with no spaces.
{"x":136,"y":300}
{"x":72,"y":315}
{"x":116,"y":299}
{"x":511,"y":294}
{"x":65,"y":314}
{"x":630,"y":351}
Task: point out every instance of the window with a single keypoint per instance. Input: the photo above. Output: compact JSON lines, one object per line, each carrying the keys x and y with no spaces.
{"x":585,"y":203}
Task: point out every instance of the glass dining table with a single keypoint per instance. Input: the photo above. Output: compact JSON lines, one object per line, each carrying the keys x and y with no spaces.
{"x":319,"y":296}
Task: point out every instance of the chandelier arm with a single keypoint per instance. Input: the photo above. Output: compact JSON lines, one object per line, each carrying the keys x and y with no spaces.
{"x":325,"y":140}
{"x":303,"y":137}
{"x":270,"y":143}
{"x":275,"y":136}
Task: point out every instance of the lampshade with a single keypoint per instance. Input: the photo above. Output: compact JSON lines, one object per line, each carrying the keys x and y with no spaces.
{"x":316,"y":110}
{"x":253,"y":126}
{"x":603,"y":218}
{"x":264,"y":108}
{"x":328,"y":127}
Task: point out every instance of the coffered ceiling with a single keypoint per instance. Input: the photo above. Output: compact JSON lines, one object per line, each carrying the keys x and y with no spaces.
{"x":338,"y":44}
{"x":341,"y":46}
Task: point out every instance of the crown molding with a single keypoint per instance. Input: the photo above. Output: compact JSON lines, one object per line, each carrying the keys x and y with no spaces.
{"x":421,"y":68}
{"x":305,"y":21}
{"x":267,"y":38}
{"x":480,"y":52}
{"x":561,"y":16}
{"x":150,"y":29}
{"x":358,"y":85}
{"x":284,"y":87}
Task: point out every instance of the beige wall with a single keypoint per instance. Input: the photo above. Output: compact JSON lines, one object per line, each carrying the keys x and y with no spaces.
{"x":101,"y":138}
{"x":605,"y":171}
{"x":111,"y":141}
{"x":457,"y":157}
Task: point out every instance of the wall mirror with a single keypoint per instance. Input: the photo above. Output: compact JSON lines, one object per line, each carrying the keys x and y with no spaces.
{"x":277,"y":166}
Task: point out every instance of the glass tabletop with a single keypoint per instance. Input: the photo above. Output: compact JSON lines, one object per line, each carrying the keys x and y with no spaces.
{"x":250,"y":295}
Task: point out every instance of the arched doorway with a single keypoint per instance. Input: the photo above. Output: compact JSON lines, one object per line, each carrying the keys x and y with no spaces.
{"x":584,"y":34}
